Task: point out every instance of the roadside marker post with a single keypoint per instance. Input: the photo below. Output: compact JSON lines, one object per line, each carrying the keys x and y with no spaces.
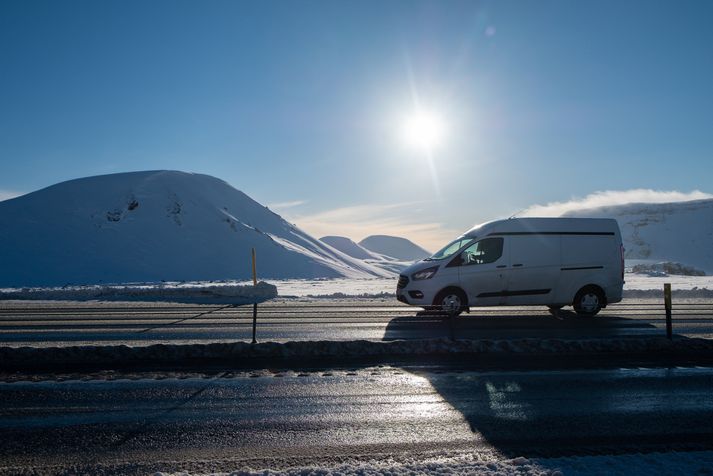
{"x":255,"y":303}
{"x":667,"y":304}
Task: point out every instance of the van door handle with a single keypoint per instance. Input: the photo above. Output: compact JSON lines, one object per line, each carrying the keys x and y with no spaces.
{"x":501,"y":266}
{"x":517,"y":265}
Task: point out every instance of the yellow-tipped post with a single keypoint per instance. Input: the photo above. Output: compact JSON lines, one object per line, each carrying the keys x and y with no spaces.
{"x":254,"y":272}
{"x":667,"y":304}
{"x":255,"y":303}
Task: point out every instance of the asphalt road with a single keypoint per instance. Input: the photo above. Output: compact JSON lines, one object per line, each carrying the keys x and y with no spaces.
{"x":278,"y":419}
{"x":73,"y":323}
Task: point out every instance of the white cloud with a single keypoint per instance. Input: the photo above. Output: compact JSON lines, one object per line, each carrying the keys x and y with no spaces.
{"x":613,"y":197}
{"x":358,"y":222}
{"x":285,"y":205}
{"x":8,"y":194}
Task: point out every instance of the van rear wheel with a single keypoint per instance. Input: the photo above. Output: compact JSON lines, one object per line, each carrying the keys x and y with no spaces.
{"x":452,"y":301}
{"x":588,"y":301}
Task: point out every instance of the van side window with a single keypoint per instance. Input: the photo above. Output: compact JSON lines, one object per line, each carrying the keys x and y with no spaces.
{"x":484,"y":251}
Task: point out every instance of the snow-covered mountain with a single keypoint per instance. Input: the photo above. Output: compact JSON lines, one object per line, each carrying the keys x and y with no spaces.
{"x":681,"y":232}
{"x":355,"y":250}
{"x":347,"y":246}
{"x":399,"y":248}
{"x":153,"y":226}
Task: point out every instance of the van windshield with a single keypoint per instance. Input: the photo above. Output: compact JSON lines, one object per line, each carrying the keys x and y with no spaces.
{"x":451,"y":248}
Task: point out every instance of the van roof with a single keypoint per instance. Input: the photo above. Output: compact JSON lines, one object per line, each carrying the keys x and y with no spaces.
{"x":546,"y":225}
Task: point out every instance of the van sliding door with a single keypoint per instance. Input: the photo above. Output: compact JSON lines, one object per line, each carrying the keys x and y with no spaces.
{"x":534,"y":268}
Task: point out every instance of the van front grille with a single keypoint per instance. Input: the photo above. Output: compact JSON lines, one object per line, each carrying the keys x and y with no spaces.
{"x":403,"y":281}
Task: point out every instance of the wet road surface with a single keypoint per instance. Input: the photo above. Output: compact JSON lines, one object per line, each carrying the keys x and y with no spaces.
{"x":73,"y":323}
{"x":273,"y":418}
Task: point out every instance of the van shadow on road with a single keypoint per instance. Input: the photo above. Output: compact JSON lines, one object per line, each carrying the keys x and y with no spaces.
{"x":516,"y":325}
{"x":559,"y":414}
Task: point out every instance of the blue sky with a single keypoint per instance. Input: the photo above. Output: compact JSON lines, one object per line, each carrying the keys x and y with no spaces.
{"x":299,"y":103}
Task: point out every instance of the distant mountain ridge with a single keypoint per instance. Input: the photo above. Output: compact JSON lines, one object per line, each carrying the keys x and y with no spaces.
{"x":349,"y":247}
{"x":152,"y":226}
{"x":396,"y":247}
{"x":681,"y":232}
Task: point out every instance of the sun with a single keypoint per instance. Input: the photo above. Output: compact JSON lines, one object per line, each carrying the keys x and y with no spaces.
{"x":423,"y":131}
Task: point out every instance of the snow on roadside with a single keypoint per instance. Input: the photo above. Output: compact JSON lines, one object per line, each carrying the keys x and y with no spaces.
{"x":669,"y":463}
{"x":642,"y":285}
{"x":637,"y":286}
{"x":98,"y":355}
{"x":205,"y":294}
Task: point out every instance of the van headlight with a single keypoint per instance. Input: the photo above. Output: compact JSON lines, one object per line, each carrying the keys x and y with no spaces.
{"x":427,"y":273}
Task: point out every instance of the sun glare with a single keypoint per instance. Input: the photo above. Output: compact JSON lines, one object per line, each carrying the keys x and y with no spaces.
{"x":423,"y":131}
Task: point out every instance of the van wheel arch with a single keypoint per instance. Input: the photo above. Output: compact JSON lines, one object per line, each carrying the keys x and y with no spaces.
{"x":451,"y":292}
{"x":589,"y":300}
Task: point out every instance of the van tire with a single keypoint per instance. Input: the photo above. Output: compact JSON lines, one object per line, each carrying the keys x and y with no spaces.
{"x":588,"y":301}
{"x":452,"y":301}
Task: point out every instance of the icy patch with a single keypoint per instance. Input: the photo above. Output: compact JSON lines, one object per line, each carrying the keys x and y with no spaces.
{"x":670,"y":463}
{"x":211,"y":294}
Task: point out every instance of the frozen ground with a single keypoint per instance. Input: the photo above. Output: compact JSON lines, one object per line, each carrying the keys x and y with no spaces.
{"x":671,"y":463}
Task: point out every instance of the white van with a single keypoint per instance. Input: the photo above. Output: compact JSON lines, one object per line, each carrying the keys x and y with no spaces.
{"x":553,"y":262}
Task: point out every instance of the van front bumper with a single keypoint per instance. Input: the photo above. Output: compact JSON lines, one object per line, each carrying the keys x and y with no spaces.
{"x":413,"y":297}
{"x":408,"y":296}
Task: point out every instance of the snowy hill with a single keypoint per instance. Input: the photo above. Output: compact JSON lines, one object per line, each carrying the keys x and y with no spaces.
{"x":355,"y":250}
{"x":347,"y":246}
{"x":399,"y":248}
{"x":153,"y":226}
{"x":681,"y":232}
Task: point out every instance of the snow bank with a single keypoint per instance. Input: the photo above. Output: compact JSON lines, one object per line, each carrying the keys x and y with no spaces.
{"x":182,"y":354}
{"x":692,"y":462}
{"x":223,"y":294}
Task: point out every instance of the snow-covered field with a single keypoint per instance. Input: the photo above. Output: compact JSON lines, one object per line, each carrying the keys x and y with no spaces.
{"x":639,"y":285}
{"x":670,"y":463}
{"x":384,"y":286}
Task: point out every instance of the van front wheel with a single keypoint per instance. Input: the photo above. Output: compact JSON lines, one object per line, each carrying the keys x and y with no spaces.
{"x":452,"y":301}
{"x":588,"y":301}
